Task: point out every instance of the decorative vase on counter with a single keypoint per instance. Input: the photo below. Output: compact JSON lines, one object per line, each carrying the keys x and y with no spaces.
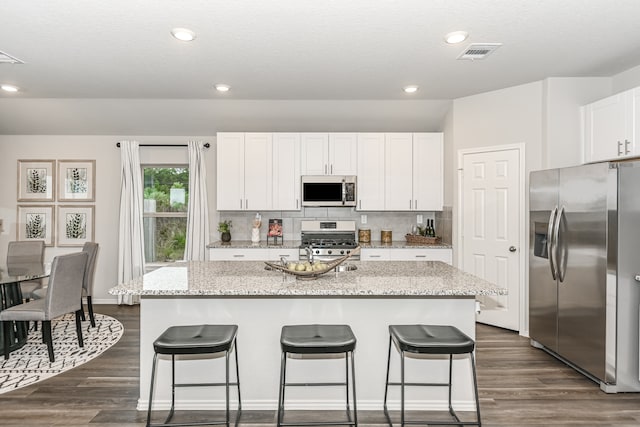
{"x":255,"y":235}
{"x":225,"y":236}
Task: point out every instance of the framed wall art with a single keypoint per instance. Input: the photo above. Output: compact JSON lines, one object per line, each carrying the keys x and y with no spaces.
{"x":36,"y":180}
{"x":75,"y":225}
{"x":36,"y":222}
{"x":76,"y":180}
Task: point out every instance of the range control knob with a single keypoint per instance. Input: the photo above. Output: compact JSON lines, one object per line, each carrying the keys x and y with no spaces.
{"x":329,"y":251}
{"x":317,"y":251}
{"x":341,"y":252}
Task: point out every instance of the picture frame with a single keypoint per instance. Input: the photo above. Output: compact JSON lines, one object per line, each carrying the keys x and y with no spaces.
{"x":36,"y":180}
{"x":36,"y":222}
{"x":76,"y":180}
{"x":76,"y":225}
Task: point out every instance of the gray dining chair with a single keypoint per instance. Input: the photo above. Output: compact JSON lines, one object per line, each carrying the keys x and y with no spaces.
{"x":26,"y":258}
{"x":91,"y":249}
{"x":64,"y":295}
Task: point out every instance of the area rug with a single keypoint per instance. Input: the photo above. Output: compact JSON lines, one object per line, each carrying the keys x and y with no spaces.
{"x":30,"y":364}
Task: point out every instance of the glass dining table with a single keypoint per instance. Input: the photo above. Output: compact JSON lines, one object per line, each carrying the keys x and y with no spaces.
{"x":11,"y":294}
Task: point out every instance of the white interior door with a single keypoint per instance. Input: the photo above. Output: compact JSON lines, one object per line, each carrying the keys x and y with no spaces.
{"x":492,"y":236}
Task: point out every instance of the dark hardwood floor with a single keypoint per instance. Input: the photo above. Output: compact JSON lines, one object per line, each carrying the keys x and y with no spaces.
{"x":519,"y":386}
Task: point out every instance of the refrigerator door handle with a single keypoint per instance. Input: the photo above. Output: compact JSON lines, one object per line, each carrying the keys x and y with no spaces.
{"x":556,"y":233}
{"x":550,"y":249}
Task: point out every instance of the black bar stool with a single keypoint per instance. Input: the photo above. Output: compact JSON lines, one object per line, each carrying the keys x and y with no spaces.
{"x":430,"y":339}
{"x":196,"y":339}
{"x":318,"y":339}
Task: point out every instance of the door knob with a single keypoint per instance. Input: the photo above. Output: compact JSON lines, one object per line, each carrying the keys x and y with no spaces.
{"x":512,"y":248}
{"x":637,"y":277}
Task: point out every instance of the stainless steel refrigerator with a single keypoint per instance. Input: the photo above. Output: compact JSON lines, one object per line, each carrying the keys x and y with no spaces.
{"x":584,"y":262}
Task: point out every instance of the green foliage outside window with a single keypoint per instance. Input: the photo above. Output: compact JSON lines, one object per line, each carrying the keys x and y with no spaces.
{"x":166,"y":235}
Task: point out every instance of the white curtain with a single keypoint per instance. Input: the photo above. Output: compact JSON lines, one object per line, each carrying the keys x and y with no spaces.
{"x":131,"y":237}
{"x":198,"y":208}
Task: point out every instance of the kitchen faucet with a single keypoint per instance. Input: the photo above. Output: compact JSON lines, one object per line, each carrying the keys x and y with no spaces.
{"x":309,"y":253}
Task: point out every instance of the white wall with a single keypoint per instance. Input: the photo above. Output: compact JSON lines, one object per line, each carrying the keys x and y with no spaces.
{"x":562,"y":123}
{"x":107,"y":156}
{"x":626,"y":80}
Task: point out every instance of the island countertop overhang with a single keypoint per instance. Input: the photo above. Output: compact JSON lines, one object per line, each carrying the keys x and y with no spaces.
{"x":250,"y":279}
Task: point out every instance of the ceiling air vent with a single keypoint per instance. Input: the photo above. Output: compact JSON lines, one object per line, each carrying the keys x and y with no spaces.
{"x":478,"y":50}
{"x":5,"y":58}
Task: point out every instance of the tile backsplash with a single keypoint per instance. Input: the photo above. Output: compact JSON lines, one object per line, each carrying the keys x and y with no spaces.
{"x":399,"y":223}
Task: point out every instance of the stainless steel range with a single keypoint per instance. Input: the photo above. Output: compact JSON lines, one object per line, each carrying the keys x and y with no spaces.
{"x":328,"y":240}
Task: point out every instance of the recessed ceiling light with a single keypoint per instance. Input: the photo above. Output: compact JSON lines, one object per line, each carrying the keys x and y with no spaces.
{"x":183,"y":34}
{"x":222,"y":88}
{"x":9,"y":88}
{"x":456,"y":37}
{"x":410,"y":89}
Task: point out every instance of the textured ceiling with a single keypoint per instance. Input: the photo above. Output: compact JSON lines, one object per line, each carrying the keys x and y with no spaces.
{"x":112,"y":67}
{"x":307,"y":49}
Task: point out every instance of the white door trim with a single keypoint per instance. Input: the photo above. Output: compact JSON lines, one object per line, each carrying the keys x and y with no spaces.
{"x":522,"y":234}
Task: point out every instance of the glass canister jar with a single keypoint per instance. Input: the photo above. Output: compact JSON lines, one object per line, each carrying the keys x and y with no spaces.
{"x":364,"y":235}
{"x":386,"y":236}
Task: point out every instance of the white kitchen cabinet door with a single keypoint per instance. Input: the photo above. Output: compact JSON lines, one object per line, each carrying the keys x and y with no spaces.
{"x":230,"y":171}
{"x":374,"y":254}
{"x":421,"y":254}
{"x":343,"y":149}
{"x":370,"y":183}
{"x":258,"y":163}
{"x":428,"y":171}
{"x":286,"y":171}
{"x":633,"y":126}
{"x":314,"y":153}
{"x":609,"y":128}
{"x":398,"y":168}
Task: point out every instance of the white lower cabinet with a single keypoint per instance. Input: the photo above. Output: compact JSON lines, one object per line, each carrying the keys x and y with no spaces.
{"x":252,"y":254}
{"x":407,"y":254}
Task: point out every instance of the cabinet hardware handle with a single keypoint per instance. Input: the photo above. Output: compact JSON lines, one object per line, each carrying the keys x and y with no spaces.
{"x":360,"y":203}
{"x":284,"y":256}
{"x":325,"y":169}
{"x":374,"y":256}
{"x":410,"y":204}
{"x":415,"y":204}
{"x":246,"y":204}
{"x":421,"y":256}
{"x":626,"y":146}
{"x":238,"y":255}
{"x":619,"y":148}
{"x":240,"y":203}
{"x":331,"y":171}
{"x":297,"y":203}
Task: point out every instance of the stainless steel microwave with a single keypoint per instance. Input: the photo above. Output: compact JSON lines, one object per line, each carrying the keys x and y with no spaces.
{"x":328,"y":190}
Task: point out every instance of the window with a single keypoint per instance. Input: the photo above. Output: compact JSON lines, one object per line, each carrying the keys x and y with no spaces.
{"x":166,"y":193}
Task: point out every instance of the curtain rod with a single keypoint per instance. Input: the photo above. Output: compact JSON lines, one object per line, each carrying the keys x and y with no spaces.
{"x":206,"y":145}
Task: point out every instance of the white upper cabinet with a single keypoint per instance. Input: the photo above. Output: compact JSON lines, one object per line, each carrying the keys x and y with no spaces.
{"x":328,"y":153}
{"x":244,"y":171}
{"x":230,"y":170}
{"x":286,"y":171}
{"x":611,"y":127}
{"x":428,"y":185}
{"x":398,"y":169}
{"x":370,"y":172}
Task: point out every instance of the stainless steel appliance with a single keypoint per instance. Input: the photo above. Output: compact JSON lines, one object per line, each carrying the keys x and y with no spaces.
{"x":328,"y":190}
{"x":584,"y":260}
{"x":327,"y":240}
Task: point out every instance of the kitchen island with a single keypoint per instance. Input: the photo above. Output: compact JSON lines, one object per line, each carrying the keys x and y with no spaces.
{"x":260,"y":302}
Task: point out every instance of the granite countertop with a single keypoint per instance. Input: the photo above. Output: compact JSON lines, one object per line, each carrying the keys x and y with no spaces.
{"x":250,"y":278}
{"x":295,"y":244}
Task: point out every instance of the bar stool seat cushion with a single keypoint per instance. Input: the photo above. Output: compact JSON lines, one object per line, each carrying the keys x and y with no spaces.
{"x":195,"y":339}
{"x":431,"y":339}
{"x":317,"y":339}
